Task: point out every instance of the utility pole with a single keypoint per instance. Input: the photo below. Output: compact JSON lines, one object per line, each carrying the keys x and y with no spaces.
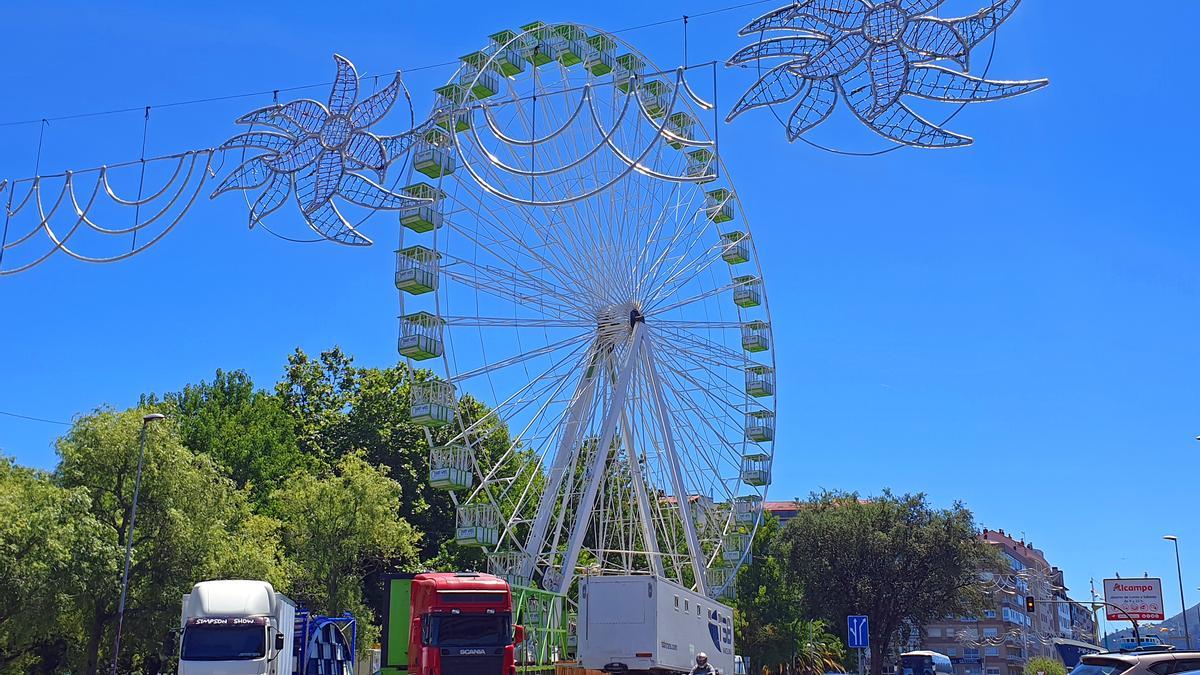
{"x":137,"y":488}
{"x":1187,"y":636}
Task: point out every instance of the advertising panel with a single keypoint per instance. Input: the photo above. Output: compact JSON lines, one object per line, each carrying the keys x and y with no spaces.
{"x":1140,"y":599}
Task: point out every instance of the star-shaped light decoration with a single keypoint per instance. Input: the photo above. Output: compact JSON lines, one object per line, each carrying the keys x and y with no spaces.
{"x":317,"y":151}
{"x":871,"y":54}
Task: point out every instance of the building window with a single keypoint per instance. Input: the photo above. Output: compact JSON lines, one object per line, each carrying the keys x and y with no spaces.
{"x":989,"y":613}
{"x":952,"y":651}
{"x":935,"y":632}
{"x":677,"y":603}
{"x":993,"y":671}
{"x":991,"y":632}
{"x":992,"y":651}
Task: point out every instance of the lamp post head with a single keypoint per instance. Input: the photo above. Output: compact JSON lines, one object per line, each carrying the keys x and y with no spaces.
{"x":153,"y":417}
{"x":1170,"y":537}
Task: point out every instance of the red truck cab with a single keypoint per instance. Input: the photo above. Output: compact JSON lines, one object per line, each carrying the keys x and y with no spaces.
{"x":453,"y":623}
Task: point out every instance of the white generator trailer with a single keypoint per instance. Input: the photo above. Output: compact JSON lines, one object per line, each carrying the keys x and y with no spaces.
{"x":643,"y":623}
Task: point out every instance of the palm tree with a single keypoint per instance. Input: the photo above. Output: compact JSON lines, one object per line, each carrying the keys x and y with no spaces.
{"x":817,"y":650}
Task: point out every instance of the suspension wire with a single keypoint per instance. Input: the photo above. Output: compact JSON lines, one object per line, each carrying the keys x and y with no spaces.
{"x":276,"y":92}
{"x":4,"y":237}
{"x":33,"y":419}
{"x":685,"y":40}
{"x":137,"y":208}
{"x":37,"y":165}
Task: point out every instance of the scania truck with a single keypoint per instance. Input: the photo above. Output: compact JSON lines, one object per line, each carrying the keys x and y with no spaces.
{"x":449,"y":623}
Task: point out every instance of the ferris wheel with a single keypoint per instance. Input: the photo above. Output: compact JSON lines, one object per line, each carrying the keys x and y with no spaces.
{"x":579,"y":265}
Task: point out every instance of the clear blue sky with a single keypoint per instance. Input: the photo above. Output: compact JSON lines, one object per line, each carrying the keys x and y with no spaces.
{"x":1013,"y":325}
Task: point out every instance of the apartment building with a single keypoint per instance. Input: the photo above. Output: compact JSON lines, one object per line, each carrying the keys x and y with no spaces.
{"x":1004,"y":637}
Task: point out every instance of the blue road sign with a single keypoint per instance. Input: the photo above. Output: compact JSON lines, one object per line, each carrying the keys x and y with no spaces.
{"x":858,"y":632}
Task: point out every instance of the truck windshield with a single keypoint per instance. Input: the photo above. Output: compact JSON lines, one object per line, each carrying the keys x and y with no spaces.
{"x":466,"y":630}
{"x":223,"y":643}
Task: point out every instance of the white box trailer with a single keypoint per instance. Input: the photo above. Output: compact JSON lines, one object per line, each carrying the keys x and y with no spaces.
{"x":644,"y":623}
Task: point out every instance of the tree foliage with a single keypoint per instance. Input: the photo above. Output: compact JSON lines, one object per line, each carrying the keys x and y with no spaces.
{"x":47,"y":538}
{"x":244,"y":429}
{"x":189,"y":513}
{"x":341,"y":526}
{"x":892,"y":557}
{"x":772,"y":629}
{"x":768,"y":603}
{"x":1040,"y":665}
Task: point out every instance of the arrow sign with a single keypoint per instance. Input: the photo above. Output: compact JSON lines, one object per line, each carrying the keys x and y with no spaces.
{"x":858,"y":632}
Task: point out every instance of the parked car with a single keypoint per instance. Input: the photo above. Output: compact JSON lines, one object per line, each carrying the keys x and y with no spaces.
{"x":1141,"y":661}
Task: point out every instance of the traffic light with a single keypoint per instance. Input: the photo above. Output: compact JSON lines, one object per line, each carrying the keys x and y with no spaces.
{"x":1029,"y":607}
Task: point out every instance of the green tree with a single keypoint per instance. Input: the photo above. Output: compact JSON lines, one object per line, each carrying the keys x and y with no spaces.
{"x":248,"y":431}
{"x":189,"y":514}
{"x":46,"y":535}
{"x":769,"y":606}
{"x":1040,"y":665}
{"x":340,"y":527}
{"x":339,"y":408}
{"x":892,"y":557}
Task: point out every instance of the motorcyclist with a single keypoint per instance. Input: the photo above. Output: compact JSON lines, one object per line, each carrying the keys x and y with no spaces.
{"x":703,"y":667}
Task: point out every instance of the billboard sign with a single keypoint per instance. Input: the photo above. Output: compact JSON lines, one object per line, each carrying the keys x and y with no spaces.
{"x":1140,"y":599}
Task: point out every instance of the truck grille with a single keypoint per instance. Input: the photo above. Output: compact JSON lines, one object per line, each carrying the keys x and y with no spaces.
{"x":472,"y":665}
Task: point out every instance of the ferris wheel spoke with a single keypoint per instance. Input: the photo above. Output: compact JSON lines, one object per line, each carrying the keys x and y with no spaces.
{"x":491,"y":284}
{"x":514,"y":403}
{"x":655,"y":252}
{"x":690,"y":409}
{"x":516,"y":322}
{"x":513,"y":244}
{"x":681,"y":493}
{"x":680,"y":276}
{"x":519,"y":358}
{"x":687,"y":338}
{"x":699,"y":297}
{"x":717,"y":382}
{"x":502,"y":220}
{"x":683,"y":325}
{"x":719,"y":408}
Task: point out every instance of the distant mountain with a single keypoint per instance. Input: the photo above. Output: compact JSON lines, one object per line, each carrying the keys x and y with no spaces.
{"x":1169,"y":631}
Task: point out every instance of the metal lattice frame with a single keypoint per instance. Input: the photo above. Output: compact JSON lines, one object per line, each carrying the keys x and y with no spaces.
{"x":316,"y":151}
{"x":870,"y":54}
{"x":586,"y":286}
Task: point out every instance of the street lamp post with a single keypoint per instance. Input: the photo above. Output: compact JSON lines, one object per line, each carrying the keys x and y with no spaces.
{"x":137,"y":488}
{"x":1187,"y":636}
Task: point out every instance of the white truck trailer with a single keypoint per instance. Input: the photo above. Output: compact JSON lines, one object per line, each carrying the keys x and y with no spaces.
{"x":237,"y":627}
{"x":643,"y":623}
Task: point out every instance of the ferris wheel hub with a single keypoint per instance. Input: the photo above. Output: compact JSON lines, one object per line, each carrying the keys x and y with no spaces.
{"x":615,"y":323}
